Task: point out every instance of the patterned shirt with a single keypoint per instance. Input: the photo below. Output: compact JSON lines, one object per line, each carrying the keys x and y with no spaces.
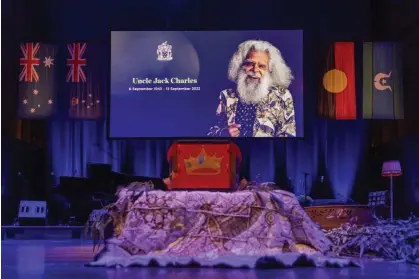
{"x":273,"y":116}
{"x":246,"y":115}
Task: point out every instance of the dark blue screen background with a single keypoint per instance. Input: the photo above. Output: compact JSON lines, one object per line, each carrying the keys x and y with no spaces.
{"x":203,"y":55}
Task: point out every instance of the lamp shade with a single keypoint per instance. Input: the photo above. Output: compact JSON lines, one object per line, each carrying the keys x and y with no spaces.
{"x":391,"y":168}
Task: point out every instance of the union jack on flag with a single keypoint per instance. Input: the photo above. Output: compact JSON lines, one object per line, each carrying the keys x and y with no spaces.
{"x":76,"y":62}
{"x":29,"y":61}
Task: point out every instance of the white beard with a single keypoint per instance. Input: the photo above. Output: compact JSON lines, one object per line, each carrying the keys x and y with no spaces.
{"x":250,"y":90}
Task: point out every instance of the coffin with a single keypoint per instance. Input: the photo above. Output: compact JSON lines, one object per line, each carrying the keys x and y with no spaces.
{"x":203,"y":165}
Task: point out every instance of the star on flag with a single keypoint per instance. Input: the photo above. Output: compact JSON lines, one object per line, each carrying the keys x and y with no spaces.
{"x":35,"y":92}
{"x":88,"y":103}
{"x":25,"y":102}
{"x":48,"y":61}
{"x":32,"y":110}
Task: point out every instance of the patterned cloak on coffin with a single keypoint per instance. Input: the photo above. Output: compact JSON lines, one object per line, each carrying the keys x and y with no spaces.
{"x":212,"y":228}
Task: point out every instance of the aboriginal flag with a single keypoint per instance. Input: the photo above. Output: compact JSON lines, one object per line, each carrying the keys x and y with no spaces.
{"x":337,"y":97}
{"x":383,"y":88}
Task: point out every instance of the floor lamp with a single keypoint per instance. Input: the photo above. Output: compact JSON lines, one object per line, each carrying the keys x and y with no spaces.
{"x":391,"y":169}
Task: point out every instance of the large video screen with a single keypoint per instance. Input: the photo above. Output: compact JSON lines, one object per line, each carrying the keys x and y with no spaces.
{"x":197,"y":84}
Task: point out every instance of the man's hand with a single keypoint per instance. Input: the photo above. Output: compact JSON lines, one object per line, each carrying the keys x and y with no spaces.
{"x":234,"y":130}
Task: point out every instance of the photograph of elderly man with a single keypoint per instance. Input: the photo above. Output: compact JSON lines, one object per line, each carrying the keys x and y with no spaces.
{"x":261,"y":104}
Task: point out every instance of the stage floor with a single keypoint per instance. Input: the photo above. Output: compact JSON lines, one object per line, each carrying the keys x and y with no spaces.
{"x":36,"y":259}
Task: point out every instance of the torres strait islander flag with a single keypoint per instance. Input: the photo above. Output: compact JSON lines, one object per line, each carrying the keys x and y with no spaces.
{"x":383,"y":88}
{"x":337,"y":97}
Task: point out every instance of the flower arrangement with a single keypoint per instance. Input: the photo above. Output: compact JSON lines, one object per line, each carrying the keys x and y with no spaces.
{"x":397,"y":240}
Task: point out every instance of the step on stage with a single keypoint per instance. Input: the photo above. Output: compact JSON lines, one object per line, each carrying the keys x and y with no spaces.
{"x":65,"y":259}
{"x":42,"y":232}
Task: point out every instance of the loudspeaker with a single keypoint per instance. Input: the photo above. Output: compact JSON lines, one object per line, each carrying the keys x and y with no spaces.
{"x":32,"y":213}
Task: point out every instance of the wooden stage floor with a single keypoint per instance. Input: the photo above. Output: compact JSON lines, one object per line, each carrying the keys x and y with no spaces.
{"x":65,"y":259}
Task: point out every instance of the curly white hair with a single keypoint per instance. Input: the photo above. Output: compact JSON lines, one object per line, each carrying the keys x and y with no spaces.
{"x":280,"y":73}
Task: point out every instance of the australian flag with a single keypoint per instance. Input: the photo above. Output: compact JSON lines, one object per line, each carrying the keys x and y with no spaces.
{"x":36,"y":80}
{"x":85,"y":80}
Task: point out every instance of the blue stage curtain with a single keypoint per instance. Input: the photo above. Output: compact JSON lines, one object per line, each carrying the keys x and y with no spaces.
{"x":410,"y":166}
{"x":75,"y":143}
{"x":149,"y":157}
{"x":346,"y":149}
{"x":5,"y":167}
{"x":333,"y":150}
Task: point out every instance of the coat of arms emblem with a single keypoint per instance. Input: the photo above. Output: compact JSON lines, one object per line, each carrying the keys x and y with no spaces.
{"x":164,"y":52}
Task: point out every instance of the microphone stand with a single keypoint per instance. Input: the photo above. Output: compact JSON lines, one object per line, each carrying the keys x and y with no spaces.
{"x":305,"y":185}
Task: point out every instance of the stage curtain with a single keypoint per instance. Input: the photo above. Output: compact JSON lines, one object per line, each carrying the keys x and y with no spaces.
{"x":332,"y":150}
{"x":347,"y":147}
{"x":74,"y":143}
{"x":149,"y":157}
{"x":410,"y":165}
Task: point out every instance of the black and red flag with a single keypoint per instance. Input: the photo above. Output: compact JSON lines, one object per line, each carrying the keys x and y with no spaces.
{"x":337,"y":94}
{"x":37,"y":82}
{"x":85,"y":80}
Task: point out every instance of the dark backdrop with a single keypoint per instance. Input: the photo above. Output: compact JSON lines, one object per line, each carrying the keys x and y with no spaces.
{"x":348,"y":153}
